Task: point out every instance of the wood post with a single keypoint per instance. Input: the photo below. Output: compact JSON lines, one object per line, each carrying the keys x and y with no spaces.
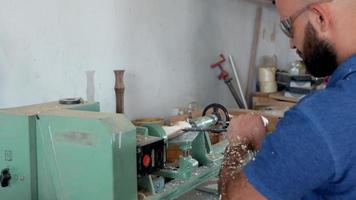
{"x":119,"y":90}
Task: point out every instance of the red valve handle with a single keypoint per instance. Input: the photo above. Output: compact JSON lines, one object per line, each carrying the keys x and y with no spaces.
{"x":223,"y":75}
{"x":218,"y":64}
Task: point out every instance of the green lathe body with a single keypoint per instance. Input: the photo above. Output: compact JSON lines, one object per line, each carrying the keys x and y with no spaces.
{"x":75,"y":152}
{"x":67,"y":153}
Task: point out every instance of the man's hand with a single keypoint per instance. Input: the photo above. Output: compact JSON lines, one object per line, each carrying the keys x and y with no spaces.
{"x":248,"y":129}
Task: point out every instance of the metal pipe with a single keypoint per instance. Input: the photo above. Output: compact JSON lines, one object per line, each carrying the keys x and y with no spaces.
{"x":234,"y":93}
{"x":204,"y":122}
{"x":233,"y":66}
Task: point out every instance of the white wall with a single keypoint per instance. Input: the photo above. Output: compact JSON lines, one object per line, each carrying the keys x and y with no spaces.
{"x":272,"y":41}
{"x":165,"y":46}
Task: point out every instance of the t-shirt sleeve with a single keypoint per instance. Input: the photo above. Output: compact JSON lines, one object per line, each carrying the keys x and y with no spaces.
{"x":293,"y":161}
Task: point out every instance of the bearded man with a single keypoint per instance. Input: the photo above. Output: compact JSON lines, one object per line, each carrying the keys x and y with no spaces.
{"x":312,"y":153}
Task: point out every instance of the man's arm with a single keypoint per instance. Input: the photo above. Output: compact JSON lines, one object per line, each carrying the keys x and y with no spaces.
{"x":241,"y":189}
{"x":297,"y":149}
{"x":233,"y":184}
{"x":245,"y":134}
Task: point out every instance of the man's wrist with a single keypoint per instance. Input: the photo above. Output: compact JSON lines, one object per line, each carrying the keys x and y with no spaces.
{"x":237,"y":155}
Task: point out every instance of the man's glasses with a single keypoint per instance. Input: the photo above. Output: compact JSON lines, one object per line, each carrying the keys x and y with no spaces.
{"x":287,"y":24}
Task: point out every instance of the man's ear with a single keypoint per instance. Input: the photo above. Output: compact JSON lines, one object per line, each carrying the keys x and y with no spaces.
{"x":321,"y":18}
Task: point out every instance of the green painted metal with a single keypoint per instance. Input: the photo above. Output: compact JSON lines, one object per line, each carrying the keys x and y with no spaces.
{"x":186,"y":163}
{"x":73,"y":152}
{"x":63,"y":152}
{"x":197,"y":143}
{"x":18,"y":153}
{"x":85,"y":155}
{"x":152,"y":184}
{"x":202,"y":148}
{"x":147,"y":183}
{"x":203,"y":164}
{"x":178,"y":187}
{"x":142,"y":131}
{"x":186,"y":167}
{"x":156,"y":130}
{"x":199,"y":162}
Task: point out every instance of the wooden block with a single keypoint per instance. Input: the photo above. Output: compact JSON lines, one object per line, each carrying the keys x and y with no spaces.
{"x":214,"y":138}
{"x":271,"y":105}
{"x":173,"y":153}
{"x":260,"y":101}
{"x":260,"y":94}
{"x":280,"y":96}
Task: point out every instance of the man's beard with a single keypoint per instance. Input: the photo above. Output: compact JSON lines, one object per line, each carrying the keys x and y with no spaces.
{"x":319,"y":55}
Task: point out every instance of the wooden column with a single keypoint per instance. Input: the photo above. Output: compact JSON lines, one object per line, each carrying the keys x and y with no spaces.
{"x":119,"y":90}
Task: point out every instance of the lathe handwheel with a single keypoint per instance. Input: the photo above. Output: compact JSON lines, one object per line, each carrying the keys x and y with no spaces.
{"x":218,"y":110}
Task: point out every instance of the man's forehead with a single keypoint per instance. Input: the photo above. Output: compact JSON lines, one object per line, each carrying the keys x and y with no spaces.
{"x":288,"y":7}
{"x":288,"y":3}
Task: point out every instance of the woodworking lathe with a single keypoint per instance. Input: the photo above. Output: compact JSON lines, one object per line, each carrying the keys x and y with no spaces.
{"x":69,"y":150}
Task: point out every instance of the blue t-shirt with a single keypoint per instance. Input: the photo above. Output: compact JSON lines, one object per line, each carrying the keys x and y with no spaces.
{"x":312,"y":153}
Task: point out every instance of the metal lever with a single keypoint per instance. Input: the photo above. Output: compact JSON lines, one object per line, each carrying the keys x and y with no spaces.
{"x":213,"y":130}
